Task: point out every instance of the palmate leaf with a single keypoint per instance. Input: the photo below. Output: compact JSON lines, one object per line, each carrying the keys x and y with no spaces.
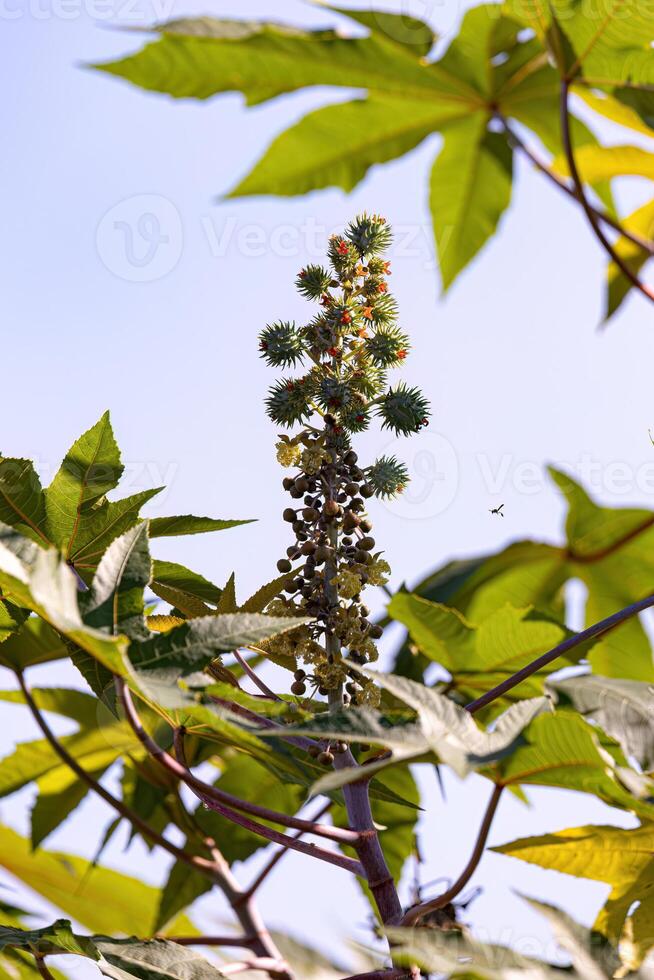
{"x":100,"y":899}
{"x":489,"y":69}
{"x":610,"y":550}
{"x":469,"y":191}
{"x":49,"y":588}
{"x":34,"y":643}
{"x":90,"y":469}
{"x":562,"y":750}
{"x":195,"y":643}
{"x":451,"y":954}
{"x":478,"y":657}
{"x":624,"y":709}
{"x":640,"y":222}
{"x":593,"y":958}
{"x":119,"y":959}
{"x":22,"y":503}
{"x":609,"y":49}
{"x":115,"y":600}
{"x":170,"y":527}
{"x":184,"y":589}
{"x":60,"y":792}
{"x":443,"y":731}
{"x":335,"y":146}
{"x":621,"y":858}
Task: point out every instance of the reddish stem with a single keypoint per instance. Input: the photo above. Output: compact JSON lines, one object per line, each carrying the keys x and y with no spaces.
{"x":593,"y":220}
{"x":598,"y":629}
{"x":413,"y":916}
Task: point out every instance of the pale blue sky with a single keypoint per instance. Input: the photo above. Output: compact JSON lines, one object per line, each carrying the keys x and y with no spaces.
{"x":517,"y":371}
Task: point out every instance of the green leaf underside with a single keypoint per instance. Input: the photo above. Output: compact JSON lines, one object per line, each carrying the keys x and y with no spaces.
{"x":469,"y":191}
{"x":335,"y":146}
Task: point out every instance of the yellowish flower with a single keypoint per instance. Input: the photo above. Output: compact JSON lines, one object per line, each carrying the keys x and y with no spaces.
{"x":287,"y":453}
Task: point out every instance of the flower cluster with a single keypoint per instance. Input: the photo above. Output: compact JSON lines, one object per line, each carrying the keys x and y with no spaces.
{"x":347,"y":350}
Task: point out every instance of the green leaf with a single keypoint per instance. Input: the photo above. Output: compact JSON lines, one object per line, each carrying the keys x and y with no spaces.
{"x":592,"y":957}
{"x":94,"y":750}
{"x":182,"y":588}
{"x":563,"y":750}
{"x":621,"y":707}
{"x":198,"y":641}
{"x":22,"y":503}
{"x":49,"y":588}
{"x":91,"y":468}
{"x":268,"y":61}
{"x":623,"y":859}
{"x":640,"y":222}
{"x":478,"y":657}
{"x":613,"y":109}
{"x":264,"y":595}
{"x":610,"y":49}
{"x":170,"y":527}
{"x":60,"y":793}
{"x":335,"y":146}
{"x":99,"y":899}
{"x":115,"y":601}
{"x":157,"y":959}
{"x":443,"y":731}
{"x":34,"y":643}
{"x":228,"y":603}
{"x":67,"y":702}
{"x":107,"y":521}
{"x":597,"y":163}
{"x":452,"y":954}
{"x":470,"y":190}
{"x":53,"y":939}
{"x":410,"y":32}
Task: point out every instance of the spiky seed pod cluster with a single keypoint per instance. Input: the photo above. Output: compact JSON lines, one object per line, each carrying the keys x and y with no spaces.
{"x":347,"y":350}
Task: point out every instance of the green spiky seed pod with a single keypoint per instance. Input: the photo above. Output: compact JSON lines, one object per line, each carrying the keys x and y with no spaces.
{"x":351,"y":343}
{"x":334,"y":394}
{"x":404,"y":410}
{"x":356,"y":416}
{"x":387,"y":347}
{"x":370,"y":234}
{"x":313,"y":281}
{"x":383,"y":309}
{"x":387,"y":476}
{"x":368,"y":380}
{"x":288,"y":401}
{"x":281,"y":344}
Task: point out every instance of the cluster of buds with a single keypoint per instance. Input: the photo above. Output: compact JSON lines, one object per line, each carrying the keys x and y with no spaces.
{"x":347,"y":351}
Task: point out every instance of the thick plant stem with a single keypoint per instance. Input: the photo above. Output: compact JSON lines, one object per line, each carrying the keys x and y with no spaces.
{"x":598,"y":629}
{"x":418,"y":912}
{"x":356,"y":795}
{"x":593,"y":219}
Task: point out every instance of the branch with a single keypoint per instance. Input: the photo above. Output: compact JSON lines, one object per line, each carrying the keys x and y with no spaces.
{"x":267,"y":964}
{"x":398,"y":973}
{"x":278,"y":855}
{"x":598,"y":629}
{"x":243,"y":941}
{"x":238,"y":709}
{"x":583,"y":200}
{"x":41,"y":967}
{"x":413,"y":916}
{"x":228,"y":805}
{"x":200,"y":864}
{"x":518,"y":144}
{"x":254,"y":677}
